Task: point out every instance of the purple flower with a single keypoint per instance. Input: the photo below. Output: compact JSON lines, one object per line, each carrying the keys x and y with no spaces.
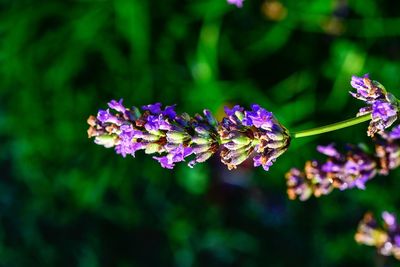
{"x":383,"y":110}
{"x":397,"y":240}
{"x":254,"y":133}
{"x":386,"y":238}
{"x":382,"y":105}
{"x":367,"y":90}
{"x":169,"y":112}
{"x":105,"y":116}
{"x":232,"y":111}
{"x":152,"y":123}
{"x":259,"y":160}
{"x":127,"y":145}
{"x":395,"y":133}
{"x":155,"y":108}
{"x":383,"y":114}
{"x":176,"y":154}
{"x":341,"y":170}
{"x":329,"y":150}
{"x":258,"y":117}
{"x":238,"y":3}
{"x":180,"y":153}
{"x":117,"y":106}
{"x":389,"y":219}
{"x":165,"y":162}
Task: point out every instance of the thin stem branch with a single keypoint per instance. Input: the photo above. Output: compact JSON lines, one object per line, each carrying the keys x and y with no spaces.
{"x":332,"y":127}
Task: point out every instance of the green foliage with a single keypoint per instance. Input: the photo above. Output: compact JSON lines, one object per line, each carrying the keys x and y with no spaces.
{"x":67,"y":202}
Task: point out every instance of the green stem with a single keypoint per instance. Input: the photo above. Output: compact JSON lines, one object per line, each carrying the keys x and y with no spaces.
{"x":332,"y":127}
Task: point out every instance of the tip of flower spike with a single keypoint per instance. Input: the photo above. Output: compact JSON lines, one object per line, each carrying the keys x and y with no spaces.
{"x":382,"y":105}
{"x":251,"y":133}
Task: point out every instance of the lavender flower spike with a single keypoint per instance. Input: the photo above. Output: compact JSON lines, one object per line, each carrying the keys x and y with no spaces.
{"x":341,"y":170}
{"x":382,"y":105}
{"x":240,"y":135}
{"x":386,"y":238}
{"x":344,"y":171}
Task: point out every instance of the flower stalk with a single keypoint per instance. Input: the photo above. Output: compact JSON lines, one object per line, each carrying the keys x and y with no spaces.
{"x":332,"y":127}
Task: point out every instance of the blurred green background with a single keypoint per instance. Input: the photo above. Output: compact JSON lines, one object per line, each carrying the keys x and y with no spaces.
{"x":65,"y":201}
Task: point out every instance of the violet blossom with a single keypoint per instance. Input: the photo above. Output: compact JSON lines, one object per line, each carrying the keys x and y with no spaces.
{"x":382,"y":105}
{"x":351,"y":169}
{"x":251,"y":133}
{"x":385,"y":238}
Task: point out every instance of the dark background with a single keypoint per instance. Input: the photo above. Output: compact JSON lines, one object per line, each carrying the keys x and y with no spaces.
{"x":65,"y":201}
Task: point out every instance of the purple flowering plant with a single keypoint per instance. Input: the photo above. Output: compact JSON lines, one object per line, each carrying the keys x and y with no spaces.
{"x":256,"y":134}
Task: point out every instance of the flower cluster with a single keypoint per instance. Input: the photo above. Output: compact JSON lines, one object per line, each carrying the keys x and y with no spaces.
{"x":382,"y":105}
{"x":386,"y":239}
{"x":348,"y":170}
{"x":241,"y":134}
{"x":341,"y":170}
{"x":155,"y":130}
{"x":256,"y":131}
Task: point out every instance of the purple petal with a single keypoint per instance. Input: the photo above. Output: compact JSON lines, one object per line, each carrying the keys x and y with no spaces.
{"x":117,"y":105}
{"x":152,"y":123}
{"x":328,"y":150}
{"x":231,"y":112}
{"x":383,"y":110}
{"x":105,"y":116}
{"x":395,"y":132}
{"x":389,"y":219}
{"x":397,"y":240}
{"x":169,"y":112}
{"x":165,"y":162}
{"x":259,"y":118}
{"x":155,"y":108}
